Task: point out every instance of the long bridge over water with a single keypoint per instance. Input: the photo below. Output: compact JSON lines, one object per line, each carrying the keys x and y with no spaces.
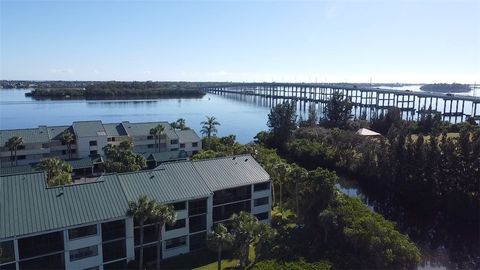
{"x":366,"y":100}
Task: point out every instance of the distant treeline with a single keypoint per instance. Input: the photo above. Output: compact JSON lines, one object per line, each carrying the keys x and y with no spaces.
{"x":445,"y":87}
{"x":120,"y":89}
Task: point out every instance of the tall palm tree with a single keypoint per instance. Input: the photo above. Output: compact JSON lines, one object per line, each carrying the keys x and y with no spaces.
{"x":219,"y":239}
{"x":162,"y":214}
{"x":142,"y":209}
{"x":68,"y":138}
{"x":281,"y":171}
{"x":181,"y":124}
{"x":209,"y":127}
{"x":157,"y":132}
{"x":298,"y":175}
{"x":12,"y":145}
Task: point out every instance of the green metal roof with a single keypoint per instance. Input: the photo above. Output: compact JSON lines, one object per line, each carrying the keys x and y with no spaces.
{"x":115,"y":130}
{"x":17,"y":169}
{"x":89,"y":128}
{"x":56,"y":133}
{"x":187,"y":135}
{"x":143,"y":129}
{"x":29,"y":135}
{"x":176,"y":183}
{"x":80,"y":163}
{"x":226,"y":172}
{"x":27,"y":206}
{"x":167,"y":156}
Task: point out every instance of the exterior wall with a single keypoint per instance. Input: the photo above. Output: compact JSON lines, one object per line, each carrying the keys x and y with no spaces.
{"x":83,"y":145}
{"x":116,"y":140}
{"x":189,"y":148}
{"x":31,"y":152}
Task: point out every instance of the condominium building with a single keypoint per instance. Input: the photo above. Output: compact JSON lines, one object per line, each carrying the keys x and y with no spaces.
{"x":85,"y":226}
{"x":90,"y":138}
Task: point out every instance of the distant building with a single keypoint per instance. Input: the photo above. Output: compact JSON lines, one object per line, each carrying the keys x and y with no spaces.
{"x":85,"y":226}
{"x":91,"y":137}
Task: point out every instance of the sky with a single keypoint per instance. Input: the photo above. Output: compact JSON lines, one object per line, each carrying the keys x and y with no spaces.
{"x":313,"y":41}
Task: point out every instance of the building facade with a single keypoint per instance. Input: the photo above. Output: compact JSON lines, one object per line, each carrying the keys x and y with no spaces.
{"x":85,"y":226}
{"x":90,"y":138}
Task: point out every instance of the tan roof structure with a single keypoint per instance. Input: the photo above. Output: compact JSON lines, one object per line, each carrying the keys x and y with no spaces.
{"x":367,"y":132}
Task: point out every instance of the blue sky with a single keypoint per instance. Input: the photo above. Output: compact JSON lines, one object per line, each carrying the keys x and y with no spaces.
{"x":324,"y":41}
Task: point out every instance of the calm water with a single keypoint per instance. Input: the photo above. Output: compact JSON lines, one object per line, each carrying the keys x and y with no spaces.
{"x":235,"y":116}
{"x":243,"y":116}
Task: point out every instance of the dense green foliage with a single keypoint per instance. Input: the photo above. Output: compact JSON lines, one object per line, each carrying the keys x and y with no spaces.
{"x":121,"y":158}
{"x":58,"y":171}
{"x":281,"y":121}
{"x":119,"y":89}
{"x":337,"y":111}
{"x":445,"y":87}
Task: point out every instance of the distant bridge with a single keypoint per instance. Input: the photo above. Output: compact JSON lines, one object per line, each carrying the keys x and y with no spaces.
{"x":377,"y":100}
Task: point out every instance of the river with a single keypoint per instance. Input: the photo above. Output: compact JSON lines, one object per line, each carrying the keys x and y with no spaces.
{"x":243,"y":116}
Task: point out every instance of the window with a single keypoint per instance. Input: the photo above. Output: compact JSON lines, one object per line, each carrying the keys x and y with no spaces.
{"x":262,"y":216}
{"x":115,"y":265}
{"x":260,"y":201}
{"x":7,"y":253}
{"x":151,"y":145}
{"x":114,"y":250}
{"x":10,"y":266}
{"x":232,"y":195}
{"x":198,"y":241}
{"x":194,"y":144}
{"x":179,"y":206}
{"x":64,"y":152}
{"x":82,"y":253}
{"x":113,"y":230}
{"x":149,"y":137}
{"x":149,"y":253}
{"x":93,"y":143}
{"x":261,"y":186}
{"x":197,"y":223}
{"x":173,"y":141}
{"x":21,"y":147}
{"x":93,"y":152}
{"x":197,"y":207}
{"x":41,"y":244}
{"x":21,"y":157}
{"x":176,"y":242}
{"x":82,"y":231}
{"x":93,"y":268}
{"x":55,"y":261}
{"x":226,"y":211}
{"x":179,"y":224}
{"x":149,"y":234}
{"x":182,"y":145}
{"x":111,"y":139}
{"x":174,"y":149}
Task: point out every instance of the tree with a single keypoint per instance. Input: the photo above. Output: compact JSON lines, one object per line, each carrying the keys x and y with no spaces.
{"x":68,"y":138}
{"x":121,"y":158}
{"x":281,"y":171}
{"x":219,"y":239}
{"x":263,"y":236}
{"x":337,"y":111}
{"x":209,"y":127}
{"x":58,"y":171}
{"x":157,"y":133}
{"x":282,"y":120}
{"x":12,"y":145}
{"x":141,"y":210}
{"x":312,"y":116}
{"x":162,"y":214}
{"x":181,"y":124}
{"x":244,"y":229}
{"x":297,"y":175}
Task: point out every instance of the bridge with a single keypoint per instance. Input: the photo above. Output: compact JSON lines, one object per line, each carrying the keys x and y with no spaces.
{"x":376,"y":100}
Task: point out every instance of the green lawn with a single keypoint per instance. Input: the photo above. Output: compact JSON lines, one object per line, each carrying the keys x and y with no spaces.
{"x":201,"y":260}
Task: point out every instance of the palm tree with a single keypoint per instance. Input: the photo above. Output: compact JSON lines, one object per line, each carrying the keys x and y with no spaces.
{"x":181,"y":124}
{"x":298,"y":175}
{"x":157,"y":132}
{"x":142,"y":209}
{"x":281,"y":171}
{"x":209,"y":126}
{"x":219,"y":239}
{"x":58,"y":171}
{"x":244,"y":230}
{"x":12,"y":145}
{"x":163,"y":214}
{"x":68,"y":138}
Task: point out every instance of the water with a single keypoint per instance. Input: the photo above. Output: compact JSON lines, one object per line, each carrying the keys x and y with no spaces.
{"x":235,"y":116}
{"x":243,"y":116}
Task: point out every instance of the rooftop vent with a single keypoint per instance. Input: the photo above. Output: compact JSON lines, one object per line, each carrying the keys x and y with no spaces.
{"x":234,"y":158}
{"x":246,"y":159}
